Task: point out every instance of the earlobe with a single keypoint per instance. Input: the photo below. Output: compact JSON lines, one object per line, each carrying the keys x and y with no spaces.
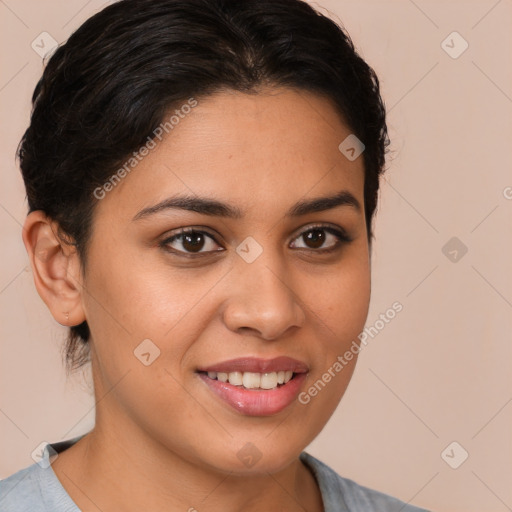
{"x":55,"y":267}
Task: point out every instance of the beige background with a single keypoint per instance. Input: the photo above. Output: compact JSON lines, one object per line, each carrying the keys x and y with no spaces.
{"x":440,"y":371}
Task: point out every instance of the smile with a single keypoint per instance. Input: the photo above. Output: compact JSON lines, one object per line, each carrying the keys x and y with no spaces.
{"x":256,"y":387}
{"x":251,"y":380}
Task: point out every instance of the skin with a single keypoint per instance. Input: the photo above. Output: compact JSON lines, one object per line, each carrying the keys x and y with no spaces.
{"x":162,"y":440}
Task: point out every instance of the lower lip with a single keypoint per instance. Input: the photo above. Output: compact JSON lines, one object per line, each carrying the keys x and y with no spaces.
{"x":256,"y":402}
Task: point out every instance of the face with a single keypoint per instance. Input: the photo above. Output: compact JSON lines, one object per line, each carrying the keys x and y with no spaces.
{"x":188,"y":328}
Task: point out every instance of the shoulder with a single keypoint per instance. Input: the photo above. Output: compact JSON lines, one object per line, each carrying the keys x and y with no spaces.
{"x":344,"y":495}
{"x":36,"y":488}
{"x":22,"y":491}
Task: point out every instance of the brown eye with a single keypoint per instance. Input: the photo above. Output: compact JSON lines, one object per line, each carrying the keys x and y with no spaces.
{"x":315,"y":238}
{"x":191,"y":242}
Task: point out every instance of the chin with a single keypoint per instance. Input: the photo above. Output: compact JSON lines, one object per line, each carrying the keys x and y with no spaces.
{"x":258,"y":456}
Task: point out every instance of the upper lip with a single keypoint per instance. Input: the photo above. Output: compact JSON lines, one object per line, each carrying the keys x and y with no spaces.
{"x":257,"y":365}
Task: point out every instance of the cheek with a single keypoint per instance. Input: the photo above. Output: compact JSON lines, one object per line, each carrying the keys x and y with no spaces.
{"x":340,"y":300}
{"x":141,"y":324}
{"x":127,"y":295}
{"x":340,"y":311}
{"x":129,"y":302}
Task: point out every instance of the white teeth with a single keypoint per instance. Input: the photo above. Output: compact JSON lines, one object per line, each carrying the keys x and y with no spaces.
{"x":223,"y":377}
{"x":235,"y":378}
{"x":269,"y":380}
{"x":252,"y":380}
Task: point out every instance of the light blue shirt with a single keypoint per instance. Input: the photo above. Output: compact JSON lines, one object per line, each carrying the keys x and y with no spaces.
{"x":37,"y":489}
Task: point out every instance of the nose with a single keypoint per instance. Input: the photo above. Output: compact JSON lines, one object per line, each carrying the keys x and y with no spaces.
{"x":261,"y":299}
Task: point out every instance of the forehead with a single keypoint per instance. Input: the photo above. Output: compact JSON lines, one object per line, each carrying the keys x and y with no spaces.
{"x":255,"y":150}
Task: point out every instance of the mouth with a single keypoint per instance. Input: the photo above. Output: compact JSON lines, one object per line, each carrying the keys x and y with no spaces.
{"x":252,"y":380}
{"x":256,"y":387}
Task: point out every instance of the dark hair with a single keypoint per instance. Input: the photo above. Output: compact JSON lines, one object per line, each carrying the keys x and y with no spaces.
{"x":106,"y":90}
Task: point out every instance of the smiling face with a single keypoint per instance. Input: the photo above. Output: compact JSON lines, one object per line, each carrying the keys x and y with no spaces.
{"x":281,"y":276}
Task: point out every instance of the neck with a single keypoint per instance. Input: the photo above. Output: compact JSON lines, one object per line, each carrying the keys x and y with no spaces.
{"x":127,"y":470}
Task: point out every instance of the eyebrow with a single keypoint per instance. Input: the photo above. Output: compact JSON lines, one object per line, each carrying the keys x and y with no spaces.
{"x":215,"y":208}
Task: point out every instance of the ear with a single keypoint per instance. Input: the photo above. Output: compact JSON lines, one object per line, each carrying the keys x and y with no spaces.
{"x":56,"y":269}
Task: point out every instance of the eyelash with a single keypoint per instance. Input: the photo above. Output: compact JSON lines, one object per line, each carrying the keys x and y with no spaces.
{"x":340,"y":234}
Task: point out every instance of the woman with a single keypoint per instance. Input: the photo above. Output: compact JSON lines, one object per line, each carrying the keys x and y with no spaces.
{"x":202,"y":177}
